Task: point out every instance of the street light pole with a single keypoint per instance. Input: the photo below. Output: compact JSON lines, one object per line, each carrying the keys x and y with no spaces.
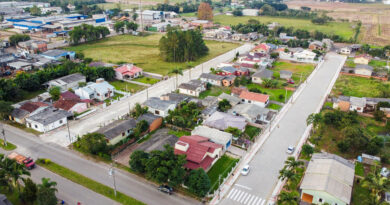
{"x":285,"y":96}
{"x":3,"y":132}
{"x":111,"y":172}
{"x":67,"y":125}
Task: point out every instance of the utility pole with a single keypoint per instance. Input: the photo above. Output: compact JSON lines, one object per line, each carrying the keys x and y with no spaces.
{"x":300,"y":79}
{"x":67,"y":125}
{"x":3,"y":133}
{"x":147,"y":93}
{"x":140,"y":11}
{"x":285,"y":96}
{"x":111,"y":172}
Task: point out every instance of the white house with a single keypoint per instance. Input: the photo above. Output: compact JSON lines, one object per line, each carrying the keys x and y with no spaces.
{"x":212,"y":79}
{"x":254,"y":98}
{"x":345,"y":50}
{"x":67,"y":82}
{"x":101,"y":90}
{"x":193,"y":88}
{"x":159,"y":107}
{"x":362,"y":69}
{"x":47,"y":120}
{"x":216,"y":136}
{"x":357,"y":104}
{"x":303,"y":56}
{"x":253,"y":113}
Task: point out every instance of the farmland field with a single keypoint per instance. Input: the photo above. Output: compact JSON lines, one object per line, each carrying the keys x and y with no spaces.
{"x":142,"y":51}
{"x":343,"y":29}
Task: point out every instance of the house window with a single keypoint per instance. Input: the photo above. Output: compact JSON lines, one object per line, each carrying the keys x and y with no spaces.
{"x":123,"y":134}
{"x":35,"y":126}
{"x":157,"y":112}
{"x":249,"y":101}
{"x":320,"y":200}
{"x":60,"y":121}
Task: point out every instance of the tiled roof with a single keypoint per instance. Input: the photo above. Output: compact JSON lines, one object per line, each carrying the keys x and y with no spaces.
{"x":69,"y":96}
{"x":344,"y":105}
{"x":19,"y":113}
{"x":238,"y":91}
{"x":128,"y":69}
{"x":363,"y":56}
{"x":211,"y":76}
{"x":32,"y":106}
{"x":254,"y":96}
{"x":65,"y":104}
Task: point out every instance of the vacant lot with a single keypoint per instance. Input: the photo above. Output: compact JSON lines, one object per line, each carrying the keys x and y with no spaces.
{"x":343,"y":29}
{"x":298,"y":69}
{"x":142,"y":51}
{"x":126,"y":87}
{"x":359,"y":87}
{"x":222,"y":167}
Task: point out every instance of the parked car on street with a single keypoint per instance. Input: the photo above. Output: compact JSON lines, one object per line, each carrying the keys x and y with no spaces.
{"x":166,"y":189}
{"x":290,"y":150}
{"x":245,"y":170}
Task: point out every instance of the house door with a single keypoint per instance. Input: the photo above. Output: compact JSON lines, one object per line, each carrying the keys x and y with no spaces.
{"x":307,"y":198}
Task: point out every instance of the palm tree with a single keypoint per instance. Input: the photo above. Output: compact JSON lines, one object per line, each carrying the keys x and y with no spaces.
{"x":377,"y":184}
{"x":315,"y":119}
{"x":290,"y":175}
{"x":176,"y":71}
{"x":288,"y":198}
{"x":292,"y":164}
{"x":46,"y":183}
{"x":12,"y":170}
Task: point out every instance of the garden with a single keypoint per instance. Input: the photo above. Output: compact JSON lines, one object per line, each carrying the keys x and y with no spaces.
{"x":220,"y":169}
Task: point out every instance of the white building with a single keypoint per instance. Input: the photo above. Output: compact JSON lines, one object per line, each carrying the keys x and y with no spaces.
{"x":302,"y":56}
{"x":101,"y":90}
{"x":48,"y":119}
{"x":159,"y":107}
{"x":193,"y":88}
{"x":216,"y":136}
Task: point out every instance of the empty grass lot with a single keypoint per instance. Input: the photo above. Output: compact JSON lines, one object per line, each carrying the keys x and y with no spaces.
{"x":214,"y":91}
{"x":358,"y":86}
{"x":298,"y":69}
{"x":344,"y":29}
{"x":88,"y":183}
{"x":222,"y":167}
{"x":126,"y":87}
{"x":147,"y":80}
{"x":142,"y":51}
{"x":273,"y":93}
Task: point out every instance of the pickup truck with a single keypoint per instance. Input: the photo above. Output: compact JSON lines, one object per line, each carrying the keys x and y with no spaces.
{"x":26,"y":161}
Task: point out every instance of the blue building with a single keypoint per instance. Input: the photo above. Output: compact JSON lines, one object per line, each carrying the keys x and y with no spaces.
{"x":58,"y":54}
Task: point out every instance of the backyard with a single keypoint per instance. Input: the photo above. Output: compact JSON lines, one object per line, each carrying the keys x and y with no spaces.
{"x":214,"y":91}
{"x":222,"y":167}
{"x":126,"y":87}
{"x":360,"y":87}
{"x":147,"y":80}
{"x":343,"y":29}
{"x":142,"y":51}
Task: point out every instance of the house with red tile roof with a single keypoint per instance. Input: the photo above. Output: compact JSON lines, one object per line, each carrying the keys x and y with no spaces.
{"x":199,"y":151}
{"x":128,"y":71}
{"x":67,"y":95}
{"x":74,"y":106}
{"x":27,"y":109}
{"x":254,"y":98}
{"x":32,"y":107}
{"x":262,"y":48}
{"x":236,"y":91}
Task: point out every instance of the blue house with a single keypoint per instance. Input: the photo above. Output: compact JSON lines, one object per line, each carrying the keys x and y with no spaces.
{"x":57,"y":54}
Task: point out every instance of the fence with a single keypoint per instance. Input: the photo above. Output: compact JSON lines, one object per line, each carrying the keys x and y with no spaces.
{"x":364,"y":76}
{"x":214,"y":193}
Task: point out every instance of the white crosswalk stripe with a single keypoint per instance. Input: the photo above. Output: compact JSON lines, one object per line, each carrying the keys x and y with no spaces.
{"x":243,"y":197}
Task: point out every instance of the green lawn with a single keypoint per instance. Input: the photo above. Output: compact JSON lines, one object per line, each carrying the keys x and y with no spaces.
{"x":359,"y":194}
{"x":252,"y":131}
{"x":214,"y":91}
{"x":142,"y":51}
{"x":179,"y":133}
{"x":344,"y":29}
{"x":9,"y":146}
{"x":222,"y":167}
{"x":192,"y":14}
{"x":273,"y":93}
{"x":358,"y":86}
{"x":88,"y":183}
{"x":127,"y":87}
{"x":359,"y":169}
{"x":274,"y":106}
{"x":298,"y":69}
{"x":377,"y":63}
{"x":350,"y":64}
{"x":147,"y":80}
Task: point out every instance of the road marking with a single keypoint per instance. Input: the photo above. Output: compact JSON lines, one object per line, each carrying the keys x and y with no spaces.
{"x":263,"y":202}
{"x":244,"y":197}
{"x":235,"y":194}
{"x":242,"y":186}
{"x":253,"y":197}
{"x":247,"y":199}
{"x":238,"y":195}
{"x":231,"y":193}
{"x":254,"y":202}
{"x":258,"y":203}
{"x":241,"y":195}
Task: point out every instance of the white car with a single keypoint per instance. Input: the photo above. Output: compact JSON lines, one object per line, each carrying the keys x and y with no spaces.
{"x":290,"y":150}
{"x":245,"y":170}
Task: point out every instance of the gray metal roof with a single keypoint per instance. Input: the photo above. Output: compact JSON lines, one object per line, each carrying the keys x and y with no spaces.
{"x":214,"y":135}
{"x":54,"y":53}
{"x":148,"y":117}
{"x":19,"y":113}
{"x":331,"y":174}
{"x":249,"y":110}
{"x":158,"y":104}
{"x":175,"y":97}
{"x":360,"y":102}
{"x":285,"y":72}
{"x":222,"y":121}
{"x":264,"y":73}
{"x":49,"y":115}
{"x":191,"y":85}
{"x":117,"y":128}
{"x":362,"y":66}
{"x":211,"y":76}
{"x":232,"y":99}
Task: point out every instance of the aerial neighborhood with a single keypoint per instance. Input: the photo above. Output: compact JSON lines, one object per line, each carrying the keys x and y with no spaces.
{"x":189,"y":102}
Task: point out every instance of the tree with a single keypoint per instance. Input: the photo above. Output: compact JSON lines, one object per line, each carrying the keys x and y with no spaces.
{"x":176,"y":71}
{"x":274,"y":55}
{"x":55,"y":93}
{"x":93,"y":143}
{"x":198,"y":182}
{"x":205,"y":12}
{"x":35,"y":11}
{"x":138,"y":161}
{"x":292,"y":164}
{"x":375,"y":145}
{"x":131,"y":26}
{"x":46,"y":192}
{"x":288,"y":198}
{"x":224,"y":105}
{"x":5,"y":109}
{"x":166,"y":167}
{"x":269,"y":83}
{"x":315,"y":119}
{"x":377,"y":184}
{"x":16,"y":38}
{"x":234,"y":131}
{"x":141,"y":127}
{"x":138,"y":110}
{"x":307,"y":150}
{"x":119,"y":26}
{"x":29,"y":193}
{"x":379,"y":115}
{"x":134,"y":16}
{"x":237,"y":12}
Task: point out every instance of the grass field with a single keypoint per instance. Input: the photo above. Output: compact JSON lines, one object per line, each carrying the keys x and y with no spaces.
{"x":358,"y":86}
{"x":273,"y":93}
{"x":214,"y":91}
{"x":142,"y":51}
{"x":89,"y":183}
{"x":298,"y":69}
{"x":274,"y":106}
{"x":179,"y":133}
{"x":377,"y":64}
{"x":221,"y":167}
{"x":9,"y":146}
{"x":147,"y":80}
{"x":126,"y":87}
{"x":343,"y":29}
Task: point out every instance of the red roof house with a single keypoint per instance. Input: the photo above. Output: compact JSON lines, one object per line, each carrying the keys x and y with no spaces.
{"x":199,"y":151}
{"x":262,"y":48}
{"x":74,"y":106}
{"x":69,"y":96}
{"x":33,"y":106}
{"x":254,"y":98}
{"x":127,"y":71}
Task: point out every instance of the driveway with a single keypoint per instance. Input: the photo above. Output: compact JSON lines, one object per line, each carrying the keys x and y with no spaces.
{"x":257,"y":187}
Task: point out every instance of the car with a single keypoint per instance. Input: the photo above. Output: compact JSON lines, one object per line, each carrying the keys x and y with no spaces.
{"x":385,"y":172}
{"x":166,"y":189}
{"x":245,"y":170}
{"x":290,"y":150}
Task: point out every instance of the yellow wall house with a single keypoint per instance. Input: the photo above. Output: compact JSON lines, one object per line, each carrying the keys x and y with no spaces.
{"x":362,"y":59}
{"x":328,"y":179}
{"x":118,"y":130}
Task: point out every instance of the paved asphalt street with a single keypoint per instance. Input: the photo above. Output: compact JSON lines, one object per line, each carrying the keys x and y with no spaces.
{"x":126,"y":183}
{"x":103,"y":116}
{"x":257,"y":187}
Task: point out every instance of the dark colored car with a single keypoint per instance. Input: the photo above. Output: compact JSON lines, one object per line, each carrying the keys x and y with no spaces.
{"x":166,"y":189}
